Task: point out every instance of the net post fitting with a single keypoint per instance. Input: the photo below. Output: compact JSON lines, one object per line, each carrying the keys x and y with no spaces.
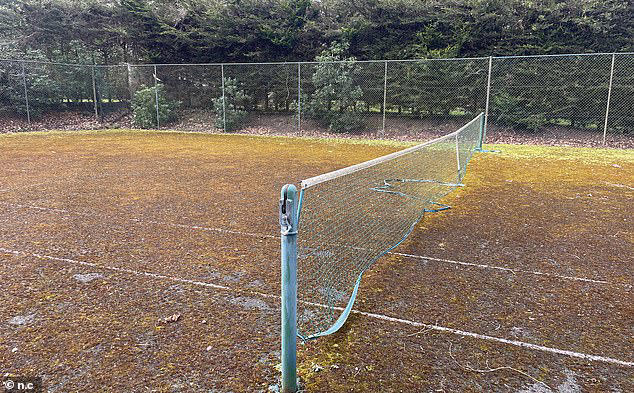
{"x":288,"y":210}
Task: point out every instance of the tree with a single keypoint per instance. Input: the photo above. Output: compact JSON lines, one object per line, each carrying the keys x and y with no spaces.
{"x":334,"y":100}
{"x":229,"y":109}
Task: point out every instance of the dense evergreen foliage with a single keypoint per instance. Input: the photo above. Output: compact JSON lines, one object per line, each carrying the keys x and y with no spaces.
{"x":229,"y":108}
{"x":192,"y":31}
{"x":526,"y":93}
{"x":336,"y":94}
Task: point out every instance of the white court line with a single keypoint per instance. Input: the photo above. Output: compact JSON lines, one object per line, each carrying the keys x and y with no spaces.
{"x":113,"y":268}
{"x":506,"y":269}
{"x":21,"y":188}
{"x":261,"y":235}
{"x":516,"y":343}
{"x":139,"y":221}
{"x":478,"y":265}
{"x":382,"y":317}
{"x":219,"y":230}
{"x":619,"y":185}
{"x":50,"y":209}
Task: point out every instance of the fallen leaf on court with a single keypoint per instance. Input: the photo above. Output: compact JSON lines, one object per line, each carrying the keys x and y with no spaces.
{"x":170,"y":319}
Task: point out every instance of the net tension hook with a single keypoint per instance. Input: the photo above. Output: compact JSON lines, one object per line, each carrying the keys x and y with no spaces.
{"x":288,"y":216}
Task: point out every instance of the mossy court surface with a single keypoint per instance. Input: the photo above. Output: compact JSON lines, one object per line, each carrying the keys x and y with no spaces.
{"x":525,"y":285}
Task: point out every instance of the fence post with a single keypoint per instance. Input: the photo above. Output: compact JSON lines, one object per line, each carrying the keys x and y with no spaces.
{"x":94,"y":92}
{"x":288,"y":224}
{"x":299,"y":98}
{"x":156,"y":99}
{"x":384,"y":96}
{"x":486,"y":108}
{"x":26,"y":95}
{"x":224,"y":111}
{"x":607,"y":106}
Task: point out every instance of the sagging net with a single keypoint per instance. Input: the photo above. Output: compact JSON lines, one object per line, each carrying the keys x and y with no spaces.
{"x":351,"y":217}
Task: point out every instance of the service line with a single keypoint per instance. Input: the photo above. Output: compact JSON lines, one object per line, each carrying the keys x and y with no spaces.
{"x":269,"y":236}
{"x":463,"y":333}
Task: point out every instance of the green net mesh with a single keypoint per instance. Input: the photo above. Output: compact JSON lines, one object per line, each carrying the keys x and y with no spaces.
{"x":351,"y":217}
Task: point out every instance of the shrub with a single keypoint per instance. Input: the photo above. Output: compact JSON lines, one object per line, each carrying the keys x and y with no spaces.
{"x":235,"y":100}
{"x":144,"y":107}
{"x":335,"y":98}
{"x":346,"y":122}
{"x":515,"y":112}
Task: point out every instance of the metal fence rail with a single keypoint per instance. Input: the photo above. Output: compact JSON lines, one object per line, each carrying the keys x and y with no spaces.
{"x":584,"y":99}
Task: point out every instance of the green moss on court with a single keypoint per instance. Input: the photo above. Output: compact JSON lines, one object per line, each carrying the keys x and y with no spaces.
{"x":128,"y":200}
{"x":581,"y":154}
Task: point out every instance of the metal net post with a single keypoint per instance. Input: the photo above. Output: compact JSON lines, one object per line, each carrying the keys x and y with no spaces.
{"x":482,"y":130}
{"x":288,"y":225}
{"x":458,"y":158}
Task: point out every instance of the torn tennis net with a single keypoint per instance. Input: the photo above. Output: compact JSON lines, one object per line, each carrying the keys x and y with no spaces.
{"x":351,"y":217}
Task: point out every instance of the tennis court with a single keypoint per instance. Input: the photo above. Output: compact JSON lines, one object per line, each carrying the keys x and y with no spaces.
{"x":149,"y":261}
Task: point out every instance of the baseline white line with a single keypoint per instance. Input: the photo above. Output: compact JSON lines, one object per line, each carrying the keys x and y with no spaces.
{"x":22,"y":187}
{"x":201,"y":228}
{"x":557,"y":351}
{"x":261,"y":235}
{"x":113,"y":268}
{"x":219,"y":230}
{"x":506,"y":269}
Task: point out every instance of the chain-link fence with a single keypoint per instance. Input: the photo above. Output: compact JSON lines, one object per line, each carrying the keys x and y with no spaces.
{"x":583,"y":100}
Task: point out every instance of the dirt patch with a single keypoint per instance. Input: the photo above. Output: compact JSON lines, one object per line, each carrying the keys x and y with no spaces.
{"x":67,"y":121}
{"x":396,"y":128}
